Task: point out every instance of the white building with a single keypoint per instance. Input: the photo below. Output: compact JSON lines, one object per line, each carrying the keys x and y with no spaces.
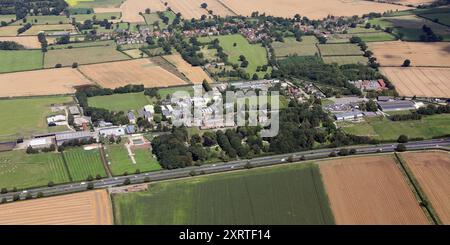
{"x":40,"y":143}
{"x":112,"y":131}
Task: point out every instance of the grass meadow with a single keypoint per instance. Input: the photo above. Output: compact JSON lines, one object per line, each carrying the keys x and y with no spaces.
{"x":20,"y":60}
{"x":121,"y":162}
{"x":290,"y":46}
{"x":120,"y":102}
{"x":278,"y":195}
{"x":82,"y":163}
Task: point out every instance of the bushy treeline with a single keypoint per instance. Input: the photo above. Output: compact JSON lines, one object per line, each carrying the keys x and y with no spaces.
{"x":406,"y":117}
{"x":429,"y":35}
{"x":432,"y":109}
{"x":10,"y":45}
{"x":24,"y":28}
{"x":22,"y":8}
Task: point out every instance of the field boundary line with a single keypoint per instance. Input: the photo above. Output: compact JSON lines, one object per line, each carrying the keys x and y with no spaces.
{"x":105,"y":161}
{"x":173,"y":65}
{"x":87,"y":77}
{"x":423,"y":17}
{"x":224,"y":5}
{"x":418,"y":192}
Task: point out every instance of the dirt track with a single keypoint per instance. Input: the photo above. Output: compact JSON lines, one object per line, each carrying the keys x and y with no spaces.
{"x":370,"y":190}
{"x":86,"y":208}
{"x":41,"y":82}
{"x":432,"y":171}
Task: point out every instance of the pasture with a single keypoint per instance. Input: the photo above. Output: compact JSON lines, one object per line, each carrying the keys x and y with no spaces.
{"x":85,"y":208}
{"x":384,"y":129}
{"x":309,"y":8}
{"x":94,"y":3}
{"x":443,"y":18}
{"x":41,"y":82}
{"x":340,"y":49}
{"x":89,"y":55}
{"x":20,"y":60}
{"x":98,"y":16}
{"x":22,"y":170}
{"x":137,"y":71}
{"x":195,"y":74}
{"x":419,"y":81}
{"x":344,"y":60}
{"x":45,"y":20}
{"x":82,"y":163}
{"x":255,"y":54}
{"x":290,"y":46}
{"x":82,"y":44}
{"x":120,"y":102}
{"x":419,"y":53}
{"x":370,"y":190}
{"x":432,"y":172}
{"x":375,"y":36}
{"x":278,"y":195}
{"x":26,"y":116}
{"x":35,"y":29}
{"x":121,"y":162}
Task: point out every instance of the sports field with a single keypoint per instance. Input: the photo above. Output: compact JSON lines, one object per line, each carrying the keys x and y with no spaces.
{"x":86,"y":208}
{"x":120,"y":102}
{"x":384,"y":129}
{"x":121,"y":162}
{"x":66,"y":57}
{"x":278,"y":195}
{"x":82,"y":163}
{"x":255,"y":54}
{"x":432,"y":171}
{"x":290,"y":46}
{"x":26,"y":116}
{"x":370,"y":190}
{"x":41,"y":82}
{"x":20,"y":60}
{"x":22,"y":170}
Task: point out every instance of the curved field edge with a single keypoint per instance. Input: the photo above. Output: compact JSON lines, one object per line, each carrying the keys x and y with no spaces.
{"x":292,"y":194}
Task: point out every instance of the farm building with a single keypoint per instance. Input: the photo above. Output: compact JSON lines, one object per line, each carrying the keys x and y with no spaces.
{"x":7,"y":146}
{"x":396,"y":105}
{"x":74,"y":110}
{"x":64,"y":137}
{"x":41,"y":143}
{"x":349,"y":115}
{"x":56,"y":120}
{"x":112,"y":131}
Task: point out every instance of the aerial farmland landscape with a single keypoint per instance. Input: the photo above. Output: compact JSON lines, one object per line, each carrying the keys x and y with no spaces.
{"x":224,"y":112}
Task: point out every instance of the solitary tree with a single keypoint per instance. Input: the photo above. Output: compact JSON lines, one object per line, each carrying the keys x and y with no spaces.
{"x":402,"y":139}
{"x":204,"y":5}
{"x":406,"y":63}
{"x":127,"y":181}
{"x":400,"y":147}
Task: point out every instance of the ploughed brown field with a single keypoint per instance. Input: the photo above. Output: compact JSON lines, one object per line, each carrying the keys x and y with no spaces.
{"x":394,"y":53}
{"x":312,"y":9}
{"x":370,"y":190}
{"x":27,"y":41}
{"x":432,"y":171}
{"x":137,"y":71}
{"x":86,"y":208}
{"x":130,"y":9}
{"x":419,"y":81}
{"x":195,"y":74}
{"x":41,"y":82}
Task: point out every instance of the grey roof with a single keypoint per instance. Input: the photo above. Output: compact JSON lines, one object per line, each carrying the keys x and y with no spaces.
{"x":74,"y":110}
{"x":349,"y":114}
{"x":72,"y":135}
{"x":396,"y":105}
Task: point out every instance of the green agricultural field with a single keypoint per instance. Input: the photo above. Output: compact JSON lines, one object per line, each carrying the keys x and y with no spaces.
{"x":20,"y":60}
{"x":420,"y":11}
{"x":90,"y":55}
{"x":26,"y":116}
{"x":120,"y":102}
{"x":344,"y":60}
{"x":340,"y":49}
{"x":83,"y":44}
{"x":99,"y":16}
{"x":359,"y":29}
{"x":290,"y":46}
{"x":255,"y":54}
{"x":94,"y":3}
{"x":443,"y":18}
{"x":7,"y":18}
{"x":153,"y":18}
{"x":82,"y":163}
{"x":22,"y":170}
{"x":383,"y":129}
{"x":35,"y":29}
{"x":121,"y":162}
{"x":135,"y":53}
{"x":376,"y":37}
{"x":291,"y":194}
{"x":44,"y":20}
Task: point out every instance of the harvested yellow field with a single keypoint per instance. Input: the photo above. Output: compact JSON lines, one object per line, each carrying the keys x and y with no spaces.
{"x":41,"y":82}
{"x":130,"y":9}
{"x":195,"y":74}
{"x":27,"y":41}
{"x":312,"y":9}
{"x":370,"y":190}
{"x":432,"y":171}
{"x":35,"y":29}
{"x":138,"y":71}
{"x":107,"y":10}
{"x":191,"y":8}
{"x":7,"y":31}
{"x":86,"y":208}
{"x":408,"y":2}
{"x":421,"y":54}
{"x":419,"y":81}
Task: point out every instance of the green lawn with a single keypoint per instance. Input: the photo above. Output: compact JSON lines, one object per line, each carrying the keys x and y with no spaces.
{"x":340,"y":49}
{"x":120,"y":102}
{"x":383,"y":129}
{"x":94,"y":3}
{"x":290,"y":46}
{"x":121,"y":162}
{"x":20,"y":60}
{"x":83,"y":163}
{"x":67,"y":57}
{"x":26,"y":116}
{"x":163,"y":92}
{"x":344,"y":60}
{"x":376,"y":37}
{"x":255,"y":54}
{"x":21,"y":170}
{"x":278,"y":195}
